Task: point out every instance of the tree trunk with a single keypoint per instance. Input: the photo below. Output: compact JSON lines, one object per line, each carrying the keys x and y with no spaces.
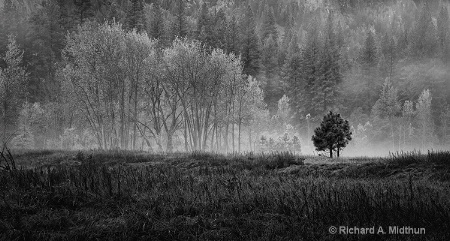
{"x":142,"y":141}
{"x":211,"y":145}
{"x":232,"y":126}
{"x":239,"y":137}
{"x":169,"y":148}
{"x":423,"y":136}
{"x":135,"y":118}
{"x":122,"y":118}
{"x":250,"y":137}
{"x":205,"y":131}
{"x":338,"y":150}
{"x":393,"y":137}
{"x":226,"y":138}
{"x":214,"y":129}
{"x":218,"y":139}
{"x":232,"y":136}
{"x":331,"y":152}
{"x":5,"y":106}
{"x":185,"y":138}
{"x":105,"y":146}
{"x":240,"y":123}
{"x":405,"y":136}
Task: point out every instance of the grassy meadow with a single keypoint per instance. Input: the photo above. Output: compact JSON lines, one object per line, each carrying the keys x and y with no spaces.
{"x":93,"y":195}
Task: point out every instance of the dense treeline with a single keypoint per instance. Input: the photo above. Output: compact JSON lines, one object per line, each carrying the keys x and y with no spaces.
{"x":197,"y":75}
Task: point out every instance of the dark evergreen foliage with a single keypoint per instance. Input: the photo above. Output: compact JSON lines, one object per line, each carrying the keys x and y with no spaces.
{"x":329,"y":75}
{"x":156,"y":28}
{"x":219,"y":30}
{"x":203,"y":32}
{"x":179,"y":26}
{"x":48,"y":39}
{"x":293,"y":82}
{"x":250,"y":50}
{"x":443,"y":33}
{"x":82,"y":9}
{"x":289,"y":46}
{"x":135,"y":17}
{"x":269,"y":58}
{"x":333,"y":134}
{"x":369,"y":52}
{"x":232,"y":36}
{"x":269,"y":28}
{"x":424,"y":36}
{"x":310,"y":70}
{"x":369,"y":73}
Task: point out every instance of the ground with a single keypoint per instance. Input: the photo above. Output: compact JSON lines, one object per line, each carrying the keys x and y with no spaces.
{"x":60,"y":195}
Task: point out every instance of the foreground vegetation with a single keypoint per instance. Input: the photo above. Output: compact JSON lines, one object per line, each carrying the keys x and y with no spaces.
{"x":53,"y":195}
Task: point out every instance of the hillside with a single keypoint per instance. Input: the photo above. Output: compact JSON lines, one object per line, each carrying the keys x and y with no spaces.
{"x":280,"y":67}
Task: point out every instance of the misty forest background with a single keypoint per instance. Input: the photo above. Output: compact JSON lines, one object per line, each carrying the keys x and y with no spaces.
{"x":242,"y":75}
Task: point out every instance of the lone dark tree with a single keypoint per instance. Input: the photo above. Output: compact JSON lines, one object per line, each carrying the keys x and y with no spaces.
{"x":333,"y":134}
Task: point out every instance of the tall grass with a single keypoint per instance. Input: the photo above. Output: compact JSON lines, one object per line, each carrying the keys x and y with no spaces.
{"x":210,"y":197}
{"x":416,"y":157}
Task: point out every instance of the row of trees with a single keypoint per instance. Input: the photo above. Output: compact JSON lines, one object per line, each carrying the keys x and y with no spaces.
{"x":313,"y":73}
{"x":132,"y":92}
{"x":267,"y":34}
{"x":308,"y":57}
{"x":407,"y":124}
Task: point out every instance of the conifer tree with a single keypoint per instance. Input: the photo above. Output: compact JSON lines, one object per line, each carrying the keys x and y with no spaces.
{"x":250,"y":52}
{"x":387,"y":107}
{"x":156,"y":28}
{"x":203,"y":18}
{"x":47,"y":40}
{"x":219,"y":30}
{"x":12,"y":82}
{"x":7,"y":26}
{"x":310,"y":69}
{"x":329,"y":72}
{"x":443,"y":31}
{"x":180,"y":28}
{"x":269,"y":58}
{"x":425,"y":118}
{"x":292,"y":79}
{"x":369,"y":72}
{"x":135,"y":17}
{"x":24,"y":138}
{"x":168,"y":33}
{"x":408,"y":114}
{"x":424,"y":37}
{"x":203,"y":31}
{"x":284,"y":111}
{"x":369,"y":52}
{"x":82,"y":9}
{"x":273,"y":87}
{"x":283,"y":49}
{"x":389,"y":55}
{"x":402,"y":43}
{"x":65,"y":16}
{"x":269,"y":28}
{"x":333,"y":134}
{"x":291,"y":67}
{"x":232,"y":37}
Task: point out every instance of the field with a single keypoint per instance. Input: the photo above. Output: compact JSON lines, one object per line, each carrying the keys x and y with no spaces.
{"x":56,"y":195}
